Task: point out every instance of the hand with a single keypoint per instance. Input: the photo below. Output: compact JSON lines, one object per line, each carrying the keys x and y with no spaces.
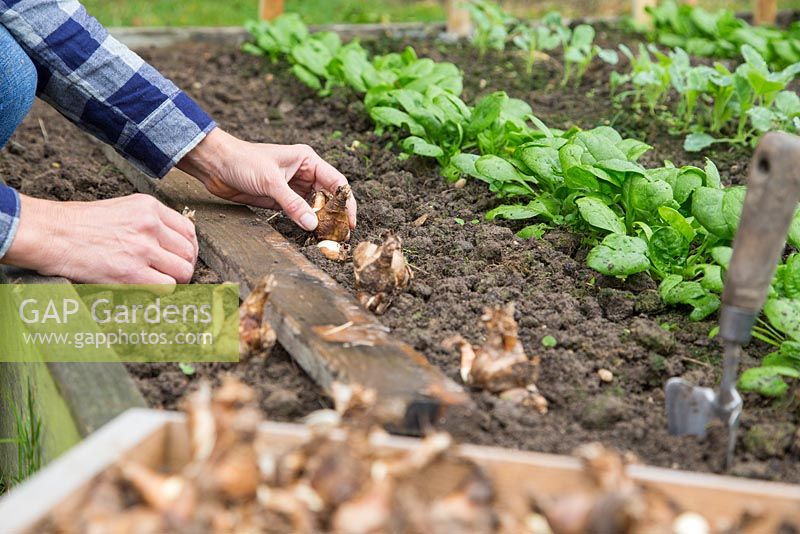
{"x":265,"y":176}
{"x":130,"y":240}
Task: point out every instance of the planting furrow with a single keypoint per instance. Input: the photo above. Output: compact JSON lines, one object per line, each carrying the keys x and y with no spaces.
{"x":328,"y":333}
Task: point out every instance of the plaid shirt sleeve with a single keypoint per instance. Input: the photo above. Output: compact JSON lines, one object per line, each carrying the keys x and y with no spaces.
{"x":9,"y":217}
{"x":103,"y":87}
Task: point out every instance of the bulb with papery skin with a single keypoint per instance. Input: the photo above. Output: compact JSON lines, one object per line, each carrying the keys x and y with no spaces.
{"x":255,"y":334}
{"x":500,"y":364}
{"x":334,"y":224}
{"x":333,"y":250}
{"x":381,"y":271}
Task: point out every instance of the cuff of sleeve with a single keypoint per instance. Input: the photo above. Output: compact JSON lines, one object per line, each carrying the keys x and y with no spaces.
{"x":9,"y":217}
{"x":168,"y":135}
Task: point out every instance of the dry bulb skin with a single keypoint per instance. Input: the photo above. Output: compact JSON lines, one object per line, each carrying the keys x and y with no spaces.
{"x":190,"y":214}
{"x":381,"y":272}
{"x":500,"y":365}
{"x":343,"y":481}
{"x":334,"y":250}
{"x":331,"y":211}
{"x":256,"y":336}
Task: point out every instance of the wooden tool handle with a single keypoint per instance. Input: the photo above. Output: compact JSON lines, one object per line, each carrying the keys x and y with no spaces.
{"x":769,"y":206}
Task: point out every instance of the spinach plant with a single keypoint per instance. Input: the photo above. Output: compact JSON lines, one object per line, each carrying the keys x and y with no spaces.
{"x":579,"y":51}
{"x":650,"y":79}
{"x":274,"y":39}
{"x":491,"y":25}
{"x":547,"y":35}
{"x":715,"y":104}
{"x":721,"y":34}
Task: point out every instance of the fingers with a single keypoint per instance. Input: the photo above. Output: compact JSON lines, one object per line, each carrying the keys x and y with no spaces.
{"x":177,"y":244}
{"x":172,"y":266}
{"x":184,"y":228}
{"x":330,"y":179}
{"x":151,"y":277}
{"x":295,"y":207}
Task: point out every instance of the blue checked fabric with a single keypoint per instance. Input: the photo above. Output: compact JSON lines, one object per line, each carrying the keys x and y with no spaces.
{"x":9,"y":217}
{"x":103,"y":87}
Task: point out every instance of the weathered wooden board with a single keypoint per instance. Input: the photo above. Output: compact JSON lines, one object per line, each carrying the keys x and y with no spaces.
{"x":159,"y":439}
{"x":411,"y":392}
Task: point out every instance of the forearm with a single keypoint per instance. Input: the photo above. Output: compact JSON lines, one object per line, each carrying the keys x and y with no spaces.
{"x":103,"y":87}
{"x":37,"y":224}
{"x":207,"y":160}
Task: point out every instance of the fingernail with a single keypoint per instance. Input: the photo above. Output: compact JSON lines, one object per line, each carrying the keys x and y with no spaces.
{"x":309,"y":221}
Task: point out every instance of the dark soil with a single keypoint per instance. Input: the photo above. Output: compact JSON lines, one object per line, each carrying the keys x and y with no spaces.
{"x":460,"y":268}
{"x":70,"y":167}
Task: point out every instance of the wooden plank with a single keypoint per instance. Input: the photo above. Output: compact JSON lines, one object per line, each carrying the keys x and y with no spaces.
{"x":458,"y":18}
{"x":411,"y":392}
{"x":270,"y":9}
{"x":159,"y":439}
{"x":638,"y":10}
{"x":765,"y":11}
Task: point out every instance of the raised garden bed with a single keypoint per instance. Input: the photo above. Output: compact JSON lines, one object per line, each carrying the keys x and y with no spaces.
{"x":462,"y":263}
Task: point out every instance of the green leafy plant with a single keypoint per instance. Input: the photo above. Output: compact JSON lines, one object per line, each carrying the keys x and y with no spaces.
{"x":721,"y":34}
{"x":274,"y":39}
{"x":580,"y":50}
{"x":494,"y":28}
{"x":536,"y":39}
{"x":650,"y":79}
{"x":491,"y":25}
{"x":715,"y":104}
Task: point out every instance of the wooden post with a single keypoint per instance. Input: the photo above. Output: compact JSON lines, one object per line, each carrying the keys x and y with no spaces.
{"x":270,"y":9}
{"x":638,"y":12}
{"x":765,"y":11}
{"x":458,"y":19}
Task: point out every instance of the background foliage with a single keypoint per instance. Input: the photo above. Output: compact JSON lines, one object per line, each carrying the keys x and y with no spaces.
{"x":235,"y":12}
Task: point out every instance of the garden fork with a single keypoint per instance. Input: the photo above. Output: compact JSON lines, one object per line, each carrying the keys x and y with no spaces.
{"x":769,"y":206}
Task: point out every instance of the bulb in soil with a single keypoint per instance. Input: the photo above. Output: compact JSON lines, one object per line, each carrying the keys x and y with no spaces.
{"x":381,"y":272}
{"x":334,"y":250}
{"x":256,"y":335}
{"x":370,"y":511}
{"x":334,"y":224}
{"x":500,"y":364}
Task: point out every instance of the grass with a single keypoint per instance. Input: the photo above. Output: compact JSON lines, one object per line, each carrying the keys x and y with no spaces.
{"x":235,"y":12}
{"x":28,"y":441}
